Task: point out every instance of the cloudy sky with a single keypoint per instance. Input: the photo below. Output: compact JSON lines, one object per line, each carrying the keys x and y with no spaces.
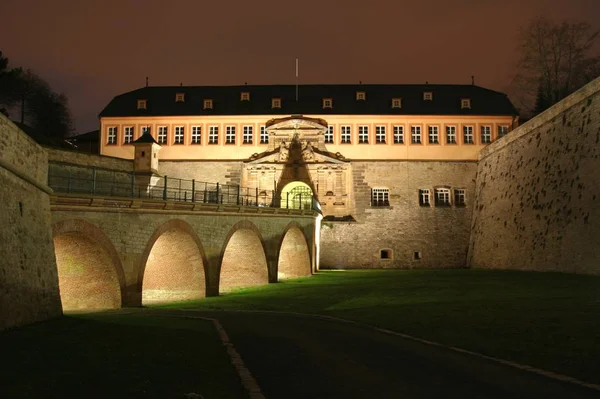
{"x":93,"y":50}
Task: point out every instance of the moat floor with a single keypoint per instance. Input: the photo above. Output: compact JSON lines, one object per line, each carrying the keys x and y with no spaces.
{"x":545,"y":320}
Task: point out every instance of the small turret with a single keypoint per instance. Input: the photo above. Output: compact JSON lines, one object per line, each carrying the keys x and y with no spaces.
{"x":146,"y":154}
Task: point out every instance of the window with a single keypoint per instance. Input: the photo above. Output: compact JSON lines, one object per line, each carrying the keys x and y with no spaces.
{"x":486,"y":134}
{"x":434,"y":135}
{"x":145,"y":129}
{"x":141,"y":104}
{"x":424,"y":197}
{"x":345,"y":136}
{"x":207,"y":103}
{"x":179,"y":135}
{"x":396,"y":103}
{"x":329,"y":134}
{"x":162,"y":135}
{"x":502,"y":131}
{"x":264,"y":136}
{"x":468,"y":134}
{"x":459,"y":197}
{"x":380,"y":197}
{"x":465,"y":103}
{"x":230,"y":135}
{"x":247,"y":135}
{"x":112,"y":135}
{"x":276,"y":103}
{"x":361,"y":95}
{"x":451,"y":134}
{"x":385,"y":254}
{"x":380,"y":134}
{"x":245,"y":96}
{"x":398,"y":134}
{"x":415,"y":132}
{"x":128,"y":136}
{"x":180,"y":97}
{"x":213,"y":135}
{"x":196,"y":134}
{"x":442,"y":197}
{"x":327,"y":103}
{"x":363,"y":134}
{"x":428,"y":96}
{"x":417,"y":255}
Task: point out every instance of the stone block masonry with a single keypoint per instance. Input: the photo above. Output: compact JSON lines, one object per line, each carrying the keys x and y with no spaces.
{"x":412,"y":235}
{"x":28,"y":276}
{"x":538,"y":191}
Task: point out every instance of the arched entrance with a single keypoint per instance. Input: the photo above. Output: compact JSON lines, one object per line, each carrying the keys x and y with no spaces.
{"x":294,"y":256}
{"x":296,"y":195}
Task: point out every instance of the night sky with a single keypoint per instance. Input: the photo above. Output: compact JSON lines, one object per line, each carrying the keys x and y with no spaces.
{"x":93,"y":50}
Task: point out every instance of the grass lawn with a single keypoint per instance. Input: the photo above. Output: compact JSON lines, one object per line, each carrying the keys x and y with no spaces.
{"x":116,"y":356}
{"x":546,"y":320}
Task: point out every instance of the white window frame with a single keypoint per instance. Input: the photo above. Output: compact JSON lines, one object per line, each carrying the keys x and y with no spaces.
{"x":433,"y":134}
{"x":329,"y":134}
{"x":179,"y":136}
{"x":213,"y":134}
{"x":161,"y":137}
{"x":111,"y":135}
{"x":380,"y":197}
{"x":197,"y":134}
{"x":502,"y":130}
{"x":460,"y":197}
{"x":468,"y":137}
{"x":451,"y":134}
{"x":346,"y":134}
{"x":380,"y":134}
{"x":398,"y":134}
{"x":128,"y":135}
{"x":230,"y":134}
{"x":424,"y":197}
{"x":442,"y":196}
{"x":486,"y":134}
{"x":363,"y":134}
{"x":145,"y":129}
{"x":247,"y":134}
{"x":415,"y":134}
{"x":264,"y":135}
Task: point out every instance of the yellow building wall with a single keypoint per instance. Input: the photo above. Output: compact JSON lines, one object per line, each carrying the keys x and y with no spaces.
{"x":353,"y":150}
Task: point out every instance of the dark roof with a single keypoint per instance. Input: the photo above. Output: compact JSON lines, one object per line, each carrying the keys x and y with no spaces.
{"x":92,"y":136}
{"x":145,"y":138}
{"x":226,"y":100}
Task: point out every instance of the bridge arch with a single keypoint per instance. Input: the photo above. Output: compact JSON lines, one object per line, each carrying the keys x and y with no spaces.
{"x":294,"y":258}
{"x":173,"y":266}
{"x":90,"y":273}
{"x":243,"y":258}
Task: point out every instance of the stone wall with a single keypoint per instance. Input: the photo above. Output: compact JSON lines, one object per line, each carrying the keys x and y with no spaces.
{"x":440,"y":235}
{"x":538,"y":190}
{"x":211,"y":172}
{"x":89,"y":160}
{"x":28,"y":277}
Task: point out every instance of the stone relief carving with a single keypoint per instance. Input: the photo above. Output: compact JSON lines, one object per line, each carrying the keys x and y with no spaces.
{"x":284,"y":152}
{"x":307,"y":152}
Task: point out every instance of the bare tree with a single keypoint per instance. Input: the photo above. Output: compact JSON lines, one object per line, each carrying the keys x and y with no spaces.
{"x":555,"y":60}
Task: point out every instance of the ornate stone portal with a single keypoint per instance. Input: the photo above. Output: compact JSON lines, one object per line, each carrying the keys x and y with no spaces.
{"x":297,"y":153}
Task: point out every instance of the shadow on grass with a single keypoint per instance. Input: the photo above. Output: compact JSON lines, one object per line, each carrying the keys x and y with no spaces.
{"x":114,"y":356}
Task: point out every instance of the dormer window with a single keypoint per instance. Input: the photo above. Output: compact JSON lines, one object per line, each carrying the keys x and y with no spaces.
{"x":208,"y":103}
{"x":465,"y":103}
{"x":180,"y":97}
{"x":396,"y":103}
{"x":327,"y":103}
{"x":245,"y":96}
{"x":141,"y":104}
{"x":428,"y":96}
{"x":276,"y":103}
{"x":361,"y":96}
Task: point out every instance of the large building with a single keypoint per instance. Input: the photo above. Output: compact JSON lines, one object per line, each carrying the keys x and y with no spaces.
{"x":393,"y":167}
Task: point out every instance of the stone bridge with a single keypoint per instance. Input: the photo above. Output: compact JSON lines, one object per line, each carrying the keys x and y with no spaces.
{"x":114,"y":252}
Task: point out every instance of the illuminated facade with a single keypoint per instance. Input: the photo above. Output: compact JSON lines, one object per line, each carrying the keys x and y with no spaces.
{"x":393,"y":166}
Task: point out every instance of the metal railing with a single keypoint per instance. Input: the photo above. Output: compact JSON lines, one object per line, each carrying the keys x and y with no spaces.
{"x":66,"y":181}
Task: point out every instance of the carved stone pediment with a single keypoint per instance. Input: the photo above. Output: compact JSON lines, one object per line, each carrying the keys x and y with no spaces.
{"x":309,"y":155}
{"x":296,"y":128}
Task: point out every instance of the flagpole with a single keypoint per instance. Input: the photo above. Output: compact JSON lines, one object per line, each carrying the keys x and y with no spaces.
{"x":296,"y":79}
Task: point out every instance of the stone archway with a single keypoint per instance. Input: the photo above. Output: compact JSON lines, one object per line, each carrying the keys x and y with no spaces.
{"x":174,"y":265}
{"x":243,"y":259}
{"x":294,"y":254}
{"x":296,"y":195}
{"x":90,"y":275}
